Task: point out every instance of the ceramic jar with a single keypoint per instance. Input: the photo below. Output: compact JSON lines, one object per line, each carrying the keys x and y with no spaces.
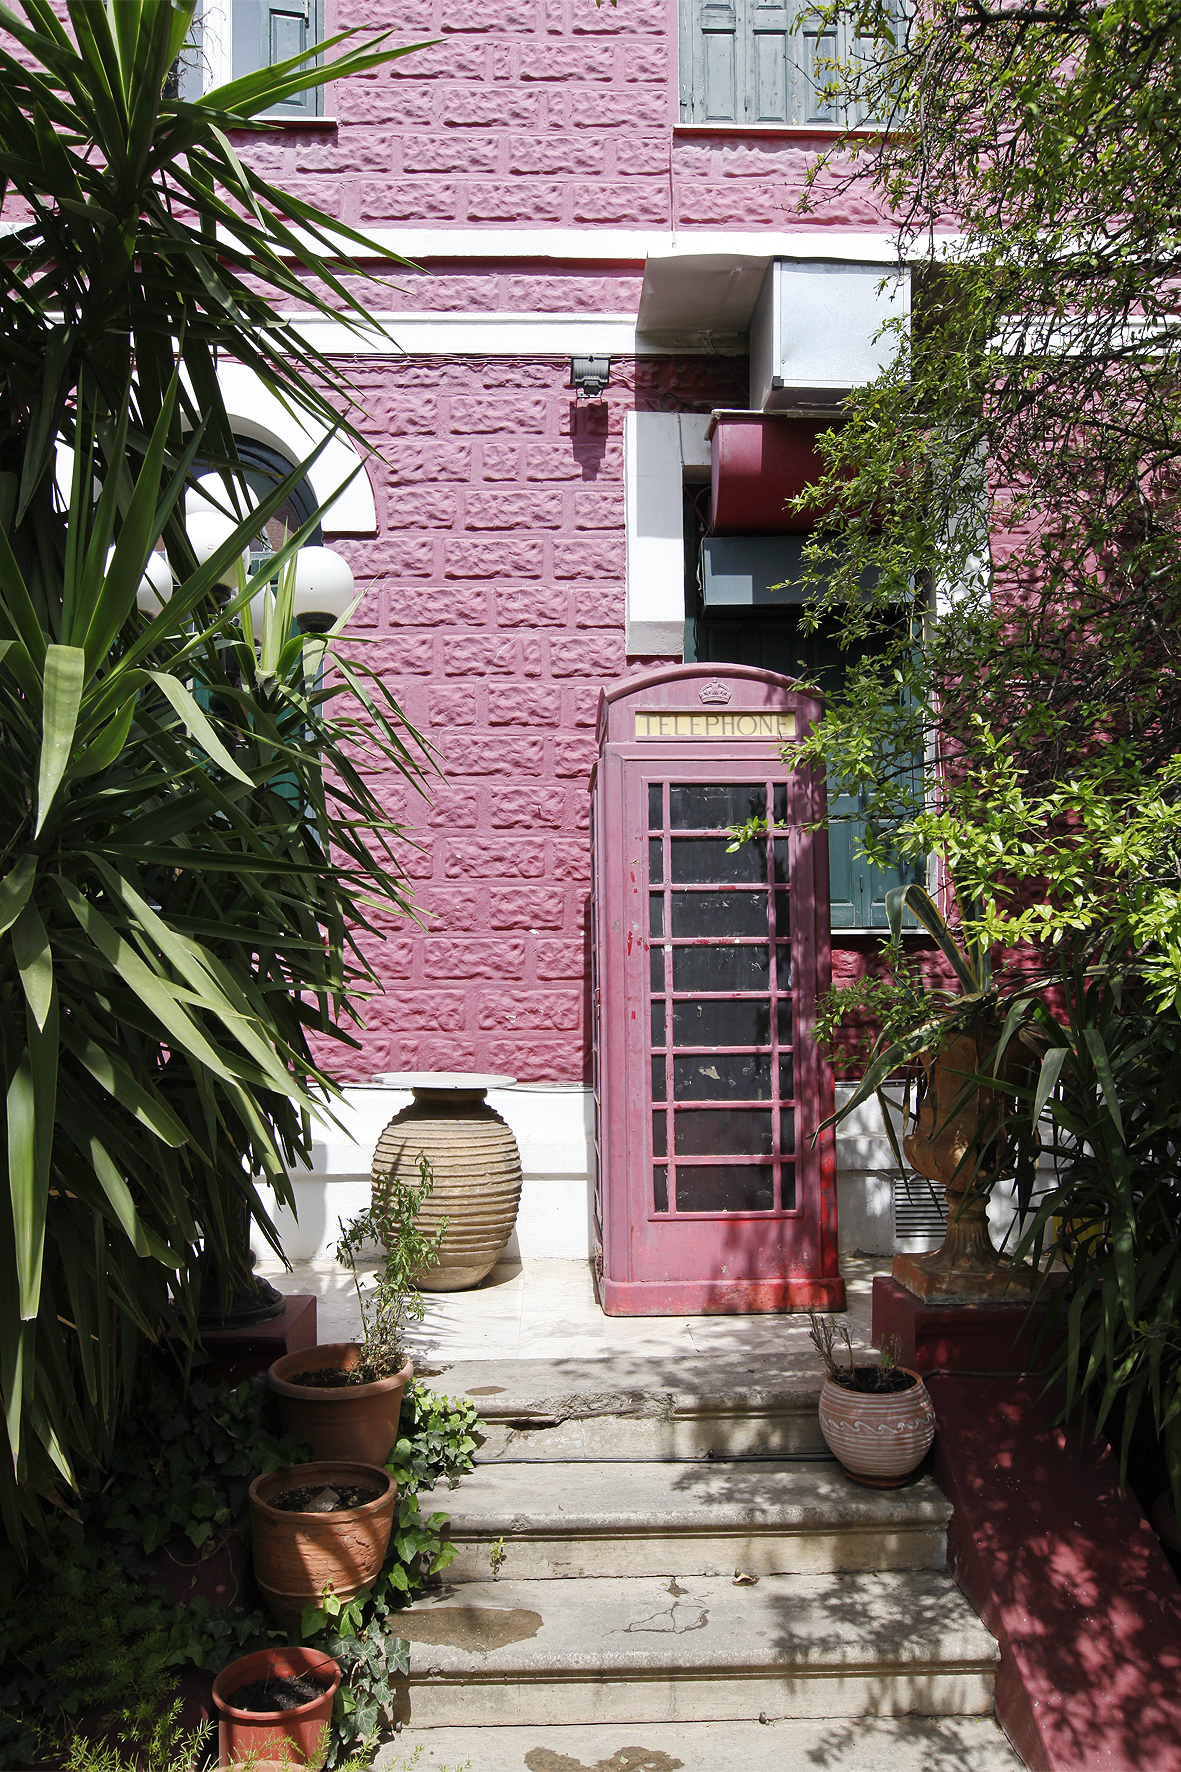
{"x":476,"y":1167}
{"x":879,"y":1436}
{"x":339,"y":1421}
{"x":296,"y":1553}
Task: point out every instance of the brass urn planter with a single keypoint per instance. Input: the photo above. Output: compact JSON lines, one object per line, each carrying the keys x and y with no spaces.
{"x":475,"y":1164}
{"x":961,"y":1141}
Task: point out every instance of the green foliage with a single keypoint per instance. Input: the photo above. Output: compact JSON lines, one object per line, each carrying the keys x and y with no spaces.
{"x":192,"y":845}
{"x":1011,"y":483}
{"x":396,"y":1302}
{"x":436,"y":1438}
{"x":87,"y":1642}
{"x":1109,"y":1083}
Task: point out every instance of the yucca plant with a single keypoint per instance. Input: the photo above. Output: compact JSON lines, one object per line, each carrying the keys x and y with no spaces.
{"x":190,"y":832}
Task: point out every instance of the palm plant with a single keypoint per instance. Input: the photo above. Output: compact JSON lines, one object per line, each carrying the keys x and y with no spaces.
{"x":191,"y":834}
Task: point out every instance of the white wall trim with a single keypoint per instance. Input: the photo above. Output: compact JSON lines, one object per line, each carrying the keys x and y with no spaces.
{"x":336,"y":484}
{"x":632,"y":246}
{"x":480,"y":334}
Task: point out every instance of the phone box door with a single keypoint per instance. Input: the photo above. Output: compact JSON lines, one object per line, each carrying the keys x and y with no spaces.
{"x":710,"y":951}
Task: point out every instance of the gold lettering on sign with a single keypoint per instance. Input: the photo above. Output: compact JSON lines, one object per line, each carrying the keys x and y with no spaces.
{"x":689,"y":723}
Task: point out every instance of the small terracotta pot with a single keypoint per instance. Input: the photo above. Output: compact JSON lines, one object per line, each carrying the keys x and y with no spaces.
{"x":276,"y":1740}
{"x":341,"y":1421}
{"x":295,"y":1554}
{"x":880,"y":1438}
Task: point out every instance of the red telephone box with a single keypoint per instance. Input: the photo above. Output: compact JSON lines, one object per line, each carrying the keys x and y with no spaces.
{"x":710,"y":1194}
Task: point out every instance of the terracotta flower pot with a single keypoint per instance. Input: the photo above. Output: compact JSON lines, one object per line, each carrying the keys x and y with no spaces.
{"x":879,"y":1437}
{"x":279,"y":1740}
{"x":339,"y":1421}
{"x":296,"y":1553}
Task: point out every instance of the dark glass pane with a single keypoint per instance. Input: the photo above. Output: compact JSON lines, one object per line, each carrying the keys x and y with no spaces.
{"x":655,"y":859}
{"x":658,"y":1024}
{"x":783,"y":914}
{"x":785,"y":1021}
{"x":722,"y":1076}
{"x":656,"y":913}
{"x":655,"y":805}
{"x":787,"y":1129}
{"x":781,"y":866}
{"x":656,"y":971}
{"x":779,"y":802}
{"x":719,"y":913}
{"x":787,"y":1186}
{"x":714,"y":806}
{"x":715,"y":1023}
{"x":783,"y":965}
{"x":726,"y":1187}
{"x":702,"y":860}
{"x":721,"y":1132}
{"x":786,"y":1080}
{"x":660,"y":1189}
{"x":658,"y":1079}
{"x":720,"y":969}
{"x":660,"y":1135}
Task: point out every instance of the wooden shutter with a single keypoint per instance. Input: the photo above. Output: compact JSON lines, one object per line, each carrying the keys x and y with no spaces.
{"x":716,"y":61}
{"x":769,"y":74}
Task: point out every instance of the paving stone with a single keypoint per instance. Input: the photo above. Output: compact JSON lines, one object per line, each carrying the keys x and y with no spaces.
{"x":853,"y":1744}
{"x":711,"y":1518}
{"x":647,"y":1650}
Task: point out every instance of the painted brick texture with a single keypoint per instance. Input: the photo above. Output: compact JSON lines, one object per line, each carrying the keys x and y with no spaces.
{"x":495,"y":617}
{"x":544,"y":113}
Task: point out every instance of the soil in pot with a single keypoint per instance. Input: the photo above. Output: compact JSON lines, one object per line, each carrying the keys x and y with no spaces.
{"x":871,"y":1381}
{"x":288,"y":1692}
{"x":323,"y":1406}
{"x":334,"y":1500}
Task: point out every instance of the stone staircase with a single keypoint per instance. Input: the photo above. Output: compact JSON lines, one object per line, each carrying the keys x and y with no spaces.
{"x":659,"y":1569}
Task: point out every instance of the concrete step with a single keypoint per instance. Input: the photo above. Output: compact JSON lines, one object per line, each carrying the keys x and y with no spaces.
{"x":704,"y":1519}
{"x":866,"y":1744}
{"x":632,"y":1407}
{"x":648,"y":1650}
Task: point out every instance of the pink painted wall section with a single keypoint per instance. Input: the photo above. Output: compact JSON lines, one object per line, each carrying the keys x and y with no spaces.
{"x":542,"y":114}
{"x":494,"y":608}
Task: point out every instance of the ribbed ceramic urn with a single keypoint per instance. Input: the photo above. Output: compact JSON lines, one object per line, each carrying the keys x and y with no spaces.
{"x":879,"y":1437}
{"x":476,"y":1167}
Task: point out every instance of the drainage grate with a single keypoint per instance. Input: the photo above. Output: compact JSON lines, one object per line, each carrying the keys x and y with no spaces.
{"x":919,"y":1218}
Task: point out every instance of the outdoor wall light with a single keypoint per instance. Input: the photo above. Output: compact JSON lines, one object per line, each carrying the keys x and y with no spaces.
{"x":590,"y":376}
{"x":324,"y":587}
{"x":155,"y":587}
{"x":208,"y":531}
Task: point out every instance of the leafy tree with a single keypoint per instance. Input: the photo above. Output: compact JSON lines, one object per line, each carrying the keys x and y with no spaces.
{"x":191,"y":835}
{"x":1012,"y":483}
{"x":999,"y":515}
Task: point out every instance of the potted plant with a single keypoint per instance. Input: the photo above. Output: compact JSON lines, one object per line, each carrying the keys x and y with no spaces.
{"x":876,"y":1417}
{"x":315,"y":1525}
{"x":344,"y":1399}
{"x":273,"y":1710}
{"x":963,"y":1133}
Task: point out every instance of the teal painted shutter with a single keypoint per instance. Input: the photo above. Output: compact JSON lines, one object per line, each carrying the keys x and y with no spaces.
{"x":269,"y":31}
{"x":769,"y":63}
{"x":717,"y":95}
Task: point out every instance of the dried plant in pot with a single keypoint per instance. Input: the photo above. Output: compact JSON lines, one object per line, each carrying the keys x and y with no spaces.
{"x":344,"y":1399}
{"x":318,"y":1525}
{"x":876,"y":1416}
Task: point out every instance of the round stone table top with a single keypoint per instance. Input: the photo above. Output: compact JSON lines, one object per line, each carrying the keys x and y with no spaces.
{"x":445,"y":1082}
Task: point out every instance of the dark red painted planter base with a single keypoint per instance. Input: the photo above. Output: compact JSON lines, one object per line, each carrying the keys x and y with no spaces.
{"x":708,"y":1298}
{"x":236,"y":1354}
{"x":1064,"y":1570}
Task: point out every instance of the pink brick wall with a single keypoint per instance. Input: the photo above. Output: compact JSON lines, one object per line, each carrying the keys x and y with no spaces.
{"x":540,"y":113}
{"x":494,"y":609}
